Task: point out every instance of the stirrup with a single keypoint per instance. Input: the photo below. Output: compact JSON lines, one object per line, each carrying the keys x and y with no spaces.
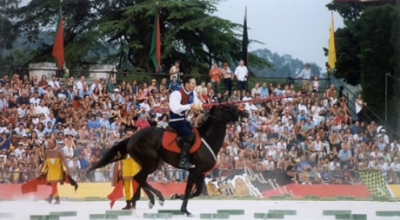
{"x":187,"y":165}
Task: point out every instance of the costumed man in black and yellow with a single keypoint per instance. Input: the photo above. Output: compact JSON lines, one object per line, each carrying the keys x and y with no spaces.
{"x":55,"y":169}
{"x":125,"y":170}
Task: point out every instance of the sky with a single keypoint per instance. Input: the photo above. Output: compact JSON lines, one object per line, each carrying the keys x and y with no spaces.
{"x":299,"y":28}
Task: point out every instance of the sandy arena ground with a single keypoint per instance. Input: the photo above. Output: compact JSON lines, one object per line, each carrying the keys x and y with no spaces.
{"x":21,"y":210}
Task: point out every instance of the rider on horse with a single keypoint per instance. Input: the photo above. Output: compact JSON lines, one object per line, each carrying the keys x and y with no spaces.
{"x":181,"y":101}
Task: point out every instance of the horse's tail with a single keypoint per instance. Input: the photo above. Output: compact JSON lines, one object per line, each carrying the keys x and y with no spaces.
{"x":116,"y":153}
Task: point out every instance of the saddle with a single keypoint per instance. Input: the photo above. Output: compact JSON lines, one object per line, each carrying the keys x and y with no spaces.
{"x":170,"y":140}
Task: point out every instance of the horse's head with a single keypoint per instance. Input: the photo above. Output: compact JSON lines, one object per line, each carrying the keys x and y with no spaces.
{"x":229,"y":112}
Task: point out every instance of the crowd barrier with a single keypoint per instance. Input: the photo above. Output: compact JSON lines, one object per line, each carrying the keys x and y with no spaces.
{"x":237,"y":183}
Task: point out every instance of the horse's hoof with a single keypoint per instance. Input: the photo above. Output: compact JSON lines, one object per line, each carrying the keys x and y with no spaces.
{"x":151,"y":205}
{"x":188,"y":214}
{"x":173,"y":196}
{"x":161,"y":202}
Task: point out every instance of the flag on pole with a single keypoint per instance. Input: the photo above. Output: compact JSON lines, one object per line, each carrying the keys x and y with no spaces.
{"x":331,"y":49}
{"x":58,"y":48}
{"x":155,"y":49}
{"x":245,"y":41}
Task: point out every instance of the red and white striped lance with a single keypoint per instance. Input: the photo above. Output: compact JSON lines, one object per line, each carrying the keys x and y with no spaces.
{"x":210,"y":105}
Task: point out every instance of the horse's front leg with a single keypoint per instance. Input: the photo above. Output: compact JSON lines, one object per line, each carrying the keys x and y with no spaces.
{"x":189,"y":186}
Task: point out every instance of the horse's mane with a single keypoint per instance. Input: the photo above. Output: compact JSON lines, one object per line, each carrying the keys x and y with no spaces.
{"x":206,"y":123}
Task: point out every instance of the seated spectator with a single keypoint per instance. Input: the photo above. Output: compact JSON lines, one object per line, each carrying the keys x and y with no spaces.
{"x":326,"y":175}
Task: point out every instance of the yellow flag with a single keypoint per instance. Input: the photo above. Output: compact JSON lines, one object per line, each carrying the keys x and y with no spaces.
{"x":332,"y":49}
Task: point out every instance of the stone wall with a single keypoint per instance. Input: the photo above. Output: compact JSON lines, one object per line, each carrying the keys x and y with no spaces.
{"x":39,"y":69}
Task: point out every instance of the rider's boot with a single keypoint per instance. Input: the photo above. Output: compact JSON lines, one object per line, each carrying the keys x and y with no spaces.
{"x":186,"y":143}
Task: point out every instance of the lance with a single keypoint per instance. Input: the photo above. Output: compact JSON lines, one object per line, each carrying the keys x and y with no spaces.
{"x":210,"y":105}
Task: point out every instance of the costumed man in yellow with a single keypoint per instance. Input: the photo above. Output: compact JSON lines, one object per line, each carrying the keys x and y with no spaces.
{"x":55,"y":169}
{"x":125,"y":170}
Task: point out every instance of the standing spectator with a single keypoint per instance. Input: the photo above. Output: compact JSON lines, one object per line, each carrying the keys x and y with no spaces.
{"x":359,"y":107}
{"x":306,"y":75}
{"x":74,"y":166}
{"x":315,"y":84}
{"x":241,"y":74}
{"x":111,"y":85}
{"x":263,"y":90}
{"x":80,"y":83}
{"x":174,"y":71}
{"x":227,"y":75}
{"x":215,"y":74}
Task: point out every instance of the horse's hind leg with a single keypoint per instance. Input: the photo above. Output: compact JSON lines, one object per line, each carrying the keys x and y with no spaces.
{"x":158,"y":194}
{"x":141,"y":178}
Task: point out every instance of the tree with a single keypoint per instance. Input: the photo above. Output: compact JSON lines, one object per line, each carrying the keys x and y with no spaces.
{"x":8,"y":34}
{"x":368,"y":48}
{"x":120,"y":31}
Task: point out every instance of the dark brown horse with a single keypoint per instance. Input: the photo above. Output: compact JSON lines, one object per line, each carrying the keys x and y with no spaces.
{"x":145,"y":147}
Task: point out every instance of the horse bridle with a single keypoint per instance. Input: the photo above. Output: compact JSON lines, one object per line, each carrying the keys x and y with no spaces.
{"x":213,"y":117}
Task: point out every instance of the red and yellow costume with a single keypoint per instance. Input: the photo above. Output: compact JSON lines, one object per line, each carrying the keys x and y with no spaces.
{"x":54,"y":169}
{"x":123,"y":173}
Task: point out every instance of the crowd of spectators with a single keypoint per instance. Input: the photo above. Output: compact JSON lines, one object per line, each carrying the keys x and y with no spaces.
{"x":310,"y":135}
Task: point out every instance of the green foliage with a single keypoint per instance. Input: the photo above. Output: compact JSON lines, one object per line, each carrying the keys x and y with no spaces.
{"x":377,"y":53}
{"x":348,"y":51}
{"x":120,"y":32}
{"x":368,"y":48}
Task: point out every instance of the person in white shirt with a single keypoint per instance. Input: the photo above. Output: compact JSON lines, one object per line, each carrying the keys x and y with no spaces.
{"x":3,"y":100}
{"x":54,"y":83}
{"x":96,"y":84}
{"x":74,"y":166}
{"x":174,"y":71}
{"x":20,"y":130}
{"x":395,"y":165}
{"x":306,"y":75}
{"x":68,"y":151}
{"x":35,"y":100}
{"x":22,"y":110}
{"x":394,"y":145}
{"x":145,"y":105}
{"x":19,"y":151}
{"x":241,"y":74}
{"x":70,"y":130}
{"x":42,"y":109}
{"x":80,"y":83}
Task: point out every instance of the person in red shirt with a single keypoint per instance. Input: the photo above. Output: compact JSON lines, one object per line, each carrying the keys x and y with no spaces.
{"x":142,"y":122}
{"x":215,"y":74}
{"x":341,"y":118}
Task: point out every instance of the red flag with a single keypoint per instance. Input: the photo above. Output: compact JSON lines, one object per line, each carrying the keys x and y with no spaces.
{"x":58,"y":48}
{"x":116,"y":193}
